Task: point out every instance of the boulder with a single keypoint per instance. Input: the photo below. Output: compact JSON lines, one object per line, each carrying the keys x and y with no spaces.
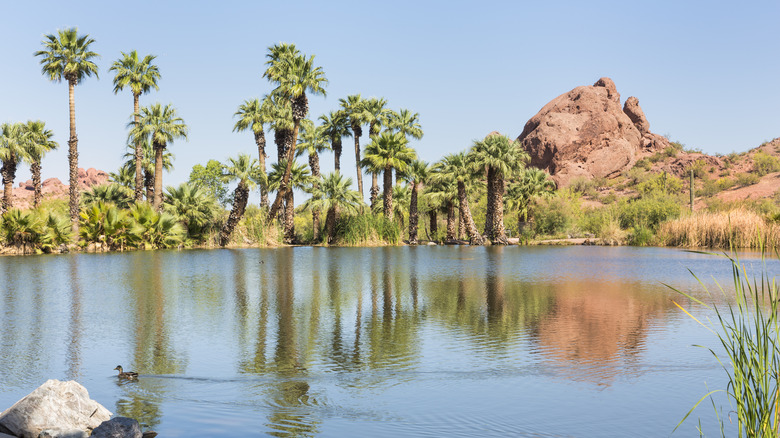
{"x":118,"y":427}
{"x":55,"y":405}
{"x":60,"y":433}
{"x":586,"y":133}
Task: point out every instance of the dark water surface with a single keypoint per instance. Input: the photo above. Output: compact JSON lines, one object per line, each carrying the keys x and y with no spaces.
{"x":429,"y":341}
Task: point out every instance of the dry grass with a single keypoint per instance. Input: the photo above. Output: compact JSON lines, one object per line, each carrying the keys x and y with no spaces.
{"x":738,"y":228}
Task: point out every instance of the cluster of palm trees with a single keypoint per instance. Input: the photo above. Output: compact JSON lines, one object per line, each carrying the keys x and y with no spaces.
{"x":496,"y":162}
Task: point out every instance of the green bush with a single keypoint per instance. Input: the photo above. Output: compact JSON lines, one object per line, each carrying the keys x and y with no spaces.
{"x":640,"y":236}
{"x":557,"y":214}
{"x":747,"y":179}
{"x":648,"y":211}
{"x":367,"y":229}
{"x":644,"y":164}
{"x":765,"y":163}
{"x":660,"y":183}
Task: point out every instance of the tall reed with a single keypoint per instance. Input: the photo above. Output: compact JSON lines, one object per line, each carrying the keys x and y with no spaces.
{"x":738,"y":228}
{"x":747,"y":328}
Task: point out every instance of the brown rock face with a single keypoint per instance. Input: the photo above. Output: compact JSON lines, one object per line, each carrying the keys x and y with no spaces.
{"x":585,"y":133}
{"x":53,"y":188}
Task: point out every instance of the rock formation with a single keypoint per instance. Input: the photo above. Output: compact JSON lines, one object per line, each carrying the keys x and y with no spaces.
{"x":64,"y":407}
{"x":54,"y":188}
{"x":585,"y":133}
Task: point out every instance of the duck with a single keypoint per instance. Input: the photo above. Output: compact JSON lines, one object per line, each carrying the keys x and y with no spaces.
{"x":129,"y":375}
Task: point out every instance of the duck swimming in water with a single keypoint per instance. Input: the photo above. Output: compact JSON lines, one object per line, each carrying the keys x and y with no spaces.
{"x":130,"y":375}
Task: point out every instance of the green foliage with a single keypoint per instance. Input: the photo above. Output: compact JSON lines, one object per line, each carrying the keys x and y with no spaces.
{"x":765,"y":163}
{"x":712,"y":187}
{"x":210,"y":179}
{"x":106,"y":226}
{"x":747,"y":179}
{"x":111,"y":193}
{"x":194,"y":207}
{"x":556,"y":214}
{"x":699,"y":168}
{"x":660,"y":183}
{"x":583,"y":185}
{"x":155,"y":230}
{"x":643,"y":164}
{"x":370,"y":229}
{"x":648,"y":211}
{"x":640,"y":236}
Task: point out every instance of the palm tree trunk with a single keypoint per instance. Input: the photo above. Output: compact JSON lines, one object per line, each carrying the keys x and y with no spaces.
{"x":413,"y":215}
{"x":471,"y":229}
{"x":433,"y":228}
{"x":289,"y":218}
{"x":314,"y":163}
{"x":35,"y":169}
{"x":73,"y":161}
{"x":240,"y":198}
{"x":149,"y":184}
{"x":9,"y":174}
{"x":356,"y":135}
{"x":388,"y":193}
{"x":461,"y":225}
{"x":139,"y":169}
{"x":336,"y":144}
{"x":374,"y":193}
{"x":158,"y":169}
{"x":330,"y":224}
{"x":450,"y":221}
{"x":490,"y":207}
{"x":260,"y":141}
{"x":499,"y":232}
{"x":281,"y":194}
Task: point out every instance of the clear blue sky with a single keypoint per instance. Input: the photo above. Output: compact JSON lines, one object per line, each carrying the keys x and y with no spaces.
{"x":706,"y":72}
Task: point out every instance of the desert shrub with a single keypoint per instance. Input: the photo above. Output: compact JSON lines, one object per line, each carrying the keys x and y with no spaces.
{"x":660,"y":183}
{"x":636,"y":176}
{"x":609,"y":198}
{"x":671,"y":152}
{"x":583,"y":185}
{"x":556,"y":214}
{"x":764,"y":163}
{"x":699,"y":168}
{"x":747,"y":179}
{"x":740,"y":228}
{"x":643,"y":164}
{"x":648,"y":211}
{"x":677,"y":146}
{"x":640,"y":236}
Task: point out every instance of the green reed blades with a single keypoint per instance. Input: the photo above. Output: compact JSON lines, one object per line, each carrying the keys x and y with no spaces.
{"x":747,"y":327}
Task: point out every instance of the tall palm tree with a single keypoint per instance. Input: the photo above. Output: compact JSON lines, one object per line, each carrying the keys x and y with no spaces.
{"x":13,"y":149}
{"x":147,"y":163}
{"x":377,"y":116}
{"x":68,"y":56}
{"x":389,"y":151}
{"x":355,"y":109}
{"x":374,"y":169}
{"x":39,"y":142}
{"x":141,"y":76}
{"x":442,"y":193}
{"x":253,"y":114}
{"x":246,"y":171}
{"x":334,"y":195}
{"x":160,"y":125}
{"x":300,"y":178}
{"x":531,"y":183}
{"x":312,"y":142}
{"x":501,"y":157}
{"x":294,"y":74}
{"x":335,"y":127}
{"x":459,"y":170}
{"x":417,"y":174}
{"x":407,"y":123}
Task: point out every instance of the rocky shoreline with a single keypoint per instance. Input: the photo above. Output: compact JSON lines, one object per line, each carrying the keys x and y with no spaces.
{"x":64,"y":410}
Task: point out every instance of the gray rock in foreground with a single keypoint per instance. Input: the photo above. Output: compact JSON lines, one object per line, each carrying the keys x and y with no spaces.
{"x":55,"y":406}
{"x":59,"y":433}
{"x":118,"y":427}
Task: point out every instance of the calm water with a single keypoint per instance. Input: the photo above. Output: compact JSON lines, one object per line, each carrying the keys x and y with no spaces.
{"x":429,"y":341}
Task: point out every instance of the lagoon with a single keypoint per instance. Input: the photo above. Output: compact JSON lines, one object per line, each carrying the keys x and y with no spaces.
{"x":394,"y":341}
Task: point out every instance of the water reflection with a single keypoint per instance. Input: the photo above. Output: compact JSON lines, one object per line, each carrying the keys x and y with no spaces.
{"x":290,"y":338}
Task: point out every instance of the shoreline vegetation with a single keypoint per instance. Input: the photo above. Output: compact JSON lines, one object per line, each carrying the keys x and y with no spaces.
{"x":486,"y":194}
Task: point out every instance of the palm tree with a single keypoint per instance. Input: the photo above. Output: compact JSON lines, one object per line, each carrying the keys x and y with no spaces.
{"x":192,"y":205}
{"x":389,"y":151}
{"x":531,"y":183}
{"x":407,"y":123}
{"x":442,"y":192}
{"x":335,"y":127}
{"x":112,"y":193}
{"x":355,"y":109}
{"x":140,"y":75}
{"x":294,"y":74}
{"x":459,"y":170}
{"x":160,"y":125}
{"x":253,"y":115}
{"x":334,"y":195}
{"x":39,"y":142}
{"x":13,"y":149}
{"x":125,"y":175}
{"x":246,"y":171}
{"x":501,"y":157}
{"x":300,"y":178}
{"x":376,"y":117}
{"x":417,"y":174}
{"x":374,"y":169}
{"x":67,"y":55}
{"x":147,"y":163}
{"x":313,"y":142}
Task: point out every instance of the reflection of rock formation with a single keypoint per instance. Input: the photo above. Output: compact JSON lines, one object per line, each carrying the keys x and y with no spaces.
{"x":598,"y":327}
